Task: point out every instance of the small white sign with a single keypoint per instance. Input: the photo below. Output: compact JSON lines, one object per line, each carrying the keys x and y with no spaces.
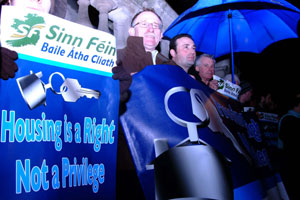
{"x":227,"y":88}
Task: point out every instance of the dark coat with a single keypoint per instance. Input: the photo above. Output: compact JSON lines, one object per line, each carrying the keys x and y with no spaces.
{"x":134,"y":57}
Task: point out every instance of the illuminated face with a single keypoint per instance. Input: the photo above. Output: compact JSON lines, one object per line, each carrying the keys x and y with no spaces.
{"x":185,"y":53}
{"x":40,"y":5}
{"x":148,"y":26}
{"x":206,"y":69}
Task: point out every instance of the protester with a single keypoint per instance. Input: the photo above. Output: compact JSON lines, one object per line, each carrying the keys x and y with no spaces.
{"x":183,"y":51}
{"x":289,"y":129}
{"x":205,"y":66}
{"x":145,"y":34}
{"x":266,"y":102}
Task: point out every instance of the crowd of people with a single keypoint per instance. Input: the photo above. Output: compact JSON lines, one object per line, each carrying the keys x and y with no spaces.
{"x":145,"y":35}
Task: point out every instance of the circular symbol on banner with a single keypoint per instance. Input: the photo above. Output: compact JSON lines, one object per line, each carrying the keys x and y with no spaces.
{"x":195,"y":105}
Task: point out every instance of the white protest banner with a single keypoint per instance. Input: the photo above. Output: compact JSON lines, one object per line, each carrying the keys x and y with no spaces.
{"x":227,"y":88}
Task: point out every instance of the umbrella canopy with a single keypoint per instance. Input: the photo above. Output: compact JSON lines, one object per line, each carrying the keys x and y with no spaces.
{"x":220,"y":27}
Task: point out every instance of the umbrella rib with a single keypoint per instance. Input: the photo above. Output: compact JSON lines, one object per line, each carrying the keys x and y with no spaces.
{"x":216,"y":39}
{"x":250,"y":27}
{"x":290,"y":19}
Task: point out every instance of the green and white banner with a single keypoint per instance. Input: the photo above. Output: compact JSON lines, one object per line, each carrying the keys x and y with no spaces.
{"x":57,"y":40}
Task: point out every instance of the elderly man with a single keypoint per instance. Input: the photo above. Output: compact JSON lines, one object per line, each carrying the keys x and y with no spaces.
{"x":205,"y":66}
{"x":183,"y":51}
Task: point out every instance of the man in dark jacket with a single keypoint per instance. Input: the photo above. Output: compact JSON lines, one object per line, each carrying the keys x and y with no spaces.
{"x":145,"y":34}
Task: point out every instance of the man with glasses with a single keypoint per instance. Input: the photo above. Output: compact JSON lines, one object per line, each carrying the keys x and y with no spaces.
{"x":145,"y":34}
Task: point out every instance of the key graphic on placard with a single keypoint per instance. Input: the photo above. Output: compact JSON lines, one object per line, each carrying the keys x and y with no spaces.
{"x":71,"y":91}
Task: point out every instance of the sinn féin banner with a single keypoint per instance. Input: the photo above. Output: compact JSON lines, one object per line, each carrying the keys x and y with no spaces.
{"x":59,"y":114}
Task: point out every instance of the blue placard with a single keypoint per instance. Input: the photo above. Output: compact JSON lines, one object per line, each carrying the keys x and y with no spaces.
{"x":53,"y":146}
{"x":162,"y":108}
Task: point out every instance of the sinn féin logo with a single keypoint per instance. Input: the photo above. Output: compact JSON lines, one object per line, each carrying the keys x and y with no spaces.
{"x":220,"y":84}
{"x":27,"y":31}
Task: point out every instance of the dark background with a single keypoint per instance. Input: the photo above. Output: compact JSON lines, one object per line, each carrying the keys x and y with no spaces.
{"x":276,"y":69}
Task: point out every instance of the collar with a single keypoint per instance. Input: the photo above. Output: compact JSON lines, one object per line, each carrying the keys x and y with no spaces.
{"x":154,"y":54}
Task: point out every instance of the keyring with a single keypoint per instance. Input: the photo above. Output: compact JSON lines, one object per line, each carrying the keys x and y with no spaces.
{"x":49,"y":85}
{"x":176,"y":119}
{"x":191,"y":126}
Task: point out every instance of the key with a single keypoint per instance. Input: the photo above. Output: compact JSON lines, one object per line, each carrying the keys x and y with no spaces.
{"x":71,"y":91}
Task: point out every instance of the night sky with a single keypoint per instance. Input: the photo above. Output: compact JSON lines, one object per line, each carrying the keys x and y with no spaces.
{"x":276,"y":69}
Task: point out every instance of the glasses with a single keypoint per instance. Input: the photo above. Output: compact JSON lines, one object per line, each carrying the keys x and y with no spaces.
{"x":145,"y":24}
